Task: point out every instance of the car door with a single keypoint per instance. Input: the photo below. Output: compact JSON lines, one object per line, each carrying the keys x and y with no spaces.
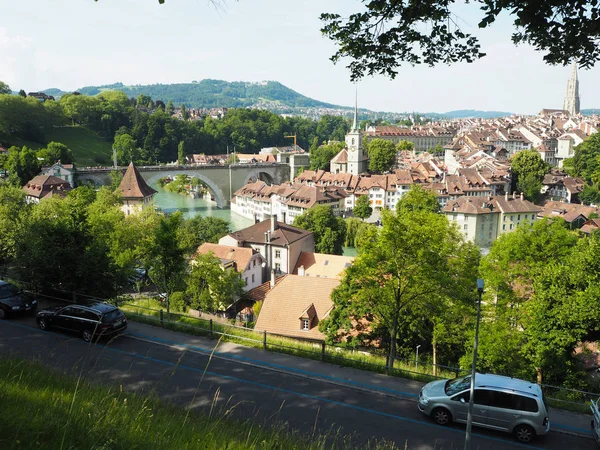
{"x":460,"y":406}
{"x":481,"y":406}
{"x":504,"y":410}
{"x":63,"y":318}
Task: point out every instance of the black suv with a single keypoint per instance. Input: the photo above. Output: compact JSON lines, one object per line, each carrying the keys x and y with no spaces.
{"x":94,"y":319}
{"x":13,"y":300}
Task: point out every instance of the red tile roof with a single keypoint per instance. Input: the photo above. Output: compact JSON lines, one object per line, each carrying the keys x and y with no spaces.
{"x":133,"y":185}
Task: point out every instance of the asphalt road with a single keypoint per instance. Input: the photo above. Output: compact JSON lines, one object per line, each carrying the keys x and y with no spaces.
{"x":190,"y":379}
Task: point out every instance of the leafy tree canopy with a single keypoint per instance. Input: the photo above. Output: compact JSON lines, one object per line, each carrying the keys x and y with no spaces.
{"x":320,"y":157}
{"x":382,"y":155}
{"x":4,"y":88}
{"x":386,"y":34}
{"x":417,"y":199}
{"x":363,"y":209}
{"x":329,"y":231}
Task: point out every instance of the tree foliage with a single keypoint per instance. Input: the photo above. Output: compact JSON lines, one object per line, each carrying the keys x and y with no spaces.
{"x":362,"y":209}
{"x":417,"y":199}
{"x":409,"y":268}
{"x":320,"y":157}
{"x":528,"y":169}
{"x":386,"y":34}
{"x":382,"y":155}
{"x":329,"y":231}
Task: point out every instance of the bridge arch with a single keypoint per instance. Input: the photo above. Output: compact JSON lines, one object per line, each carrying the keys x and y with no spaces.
{"x":153,"y":177}
{"x":259,"y":174}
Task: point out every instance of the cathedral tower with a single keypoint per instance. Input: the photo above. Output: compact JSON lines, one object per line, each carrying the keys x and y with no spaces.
{"x":571,"y":104}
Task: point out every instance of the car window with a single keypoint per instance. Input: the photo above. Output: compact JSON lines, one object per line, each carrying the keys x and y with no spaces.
{"x":68,"y":311}
{"x":523,"y":403}
{"x":457,"y":385}
{"x":462,"y":396}
{"x":502,"y":400}
{"x":111,"y":315}
{"x":483,"y":397}
{"x":8,"y":290}
{"x":90,"y":315}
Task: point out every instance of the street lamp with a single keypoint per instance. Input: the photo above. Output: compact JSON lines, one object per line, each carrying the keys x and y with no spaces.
{"x":472,"y":391}
{"x":417,"y":357}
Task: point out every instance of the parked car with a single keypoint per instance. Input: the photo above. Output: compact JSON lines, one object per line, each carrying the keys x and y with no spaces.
{"x":500,"y":403}
{"x":94,"y":319}
{"x":14,"y":301}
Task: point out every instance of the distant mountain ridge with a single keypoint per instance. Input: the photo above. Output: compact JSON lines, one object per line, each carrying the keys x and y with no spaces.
{"x":270,"y":95}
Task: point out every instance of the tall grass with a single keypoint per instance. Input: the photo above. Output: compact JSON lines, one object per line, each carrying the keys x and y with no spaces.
{"x":39,"y":409}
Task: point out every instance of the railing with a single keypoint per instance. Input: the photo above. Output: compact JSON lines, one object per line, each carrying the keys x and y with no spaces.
{"x":105,"y":169}
{"x":571,"y":399}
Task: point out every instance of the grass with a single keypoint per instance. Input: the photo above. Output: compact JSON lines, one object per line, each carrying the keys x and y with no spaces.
{"x":45,"y":409}
{"x":148,"y":311}
{"x":89,"y":149}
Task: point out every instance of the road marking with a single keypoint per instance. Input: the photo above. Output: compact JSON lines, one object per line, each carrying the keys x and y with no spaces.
{"x":288,"y":391}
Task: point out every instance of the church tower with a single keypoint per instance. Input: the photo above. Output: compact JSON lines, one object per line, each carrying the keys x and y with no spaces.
{"x":354,"y":145}
{"x":571,"y":104}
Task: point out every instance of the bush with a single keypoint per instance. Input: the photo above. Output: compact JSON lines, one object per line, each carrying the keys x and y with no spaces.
{"x":178,"y":302}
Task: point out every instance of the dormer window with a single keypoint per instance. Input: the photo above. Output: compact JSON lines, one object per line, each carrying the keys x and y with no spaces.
{"x":306,"y":324}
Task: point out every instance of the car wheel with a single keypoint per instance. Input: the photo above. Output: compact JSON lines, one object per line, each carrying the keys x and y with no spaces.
{"x":441,"y":416}
{"x":87,"y":335}
{"x":43,"y":324}
{"x":2,"y":314}
{"x":524,"y":433}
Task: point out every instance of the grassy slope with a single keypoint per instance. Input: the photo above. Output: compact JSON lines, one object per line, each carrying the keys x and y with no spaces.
{"x":49,"y":410}
{"x":85,"y":143}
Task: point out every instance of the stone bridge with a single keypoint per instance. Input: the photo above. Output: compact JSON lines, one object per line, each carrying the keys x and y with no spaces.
{"x":222,"y":180}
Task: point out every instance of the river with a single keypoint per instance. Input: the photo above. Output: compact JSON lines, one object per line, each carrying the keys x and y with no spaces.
{"x":190,"y":207}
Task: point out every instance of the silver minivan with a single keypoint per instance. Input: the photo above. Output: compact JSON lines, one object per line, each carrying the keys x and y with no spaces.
{"x":500,"y":403}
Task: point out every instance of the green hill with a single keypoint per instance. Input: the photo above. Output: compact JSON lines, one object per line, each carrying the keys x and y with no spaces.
{"x":88,"y":148}
{"x":216,"y":93}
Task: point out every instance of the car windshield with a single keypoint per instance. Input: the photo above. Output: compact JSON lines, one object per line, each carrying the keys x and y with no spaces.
{"x":111,"y":315}
{"x":457,"y":385}
{"x":8,"y":290}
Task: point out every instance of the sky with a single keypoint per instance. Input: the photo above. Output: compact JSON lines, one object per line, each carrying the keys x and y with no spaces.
{"x":69,"y":44}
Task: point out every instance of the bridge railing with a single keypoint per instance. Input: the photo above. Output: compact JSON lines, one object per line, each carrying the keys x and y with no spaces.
{"x":104,"y":169}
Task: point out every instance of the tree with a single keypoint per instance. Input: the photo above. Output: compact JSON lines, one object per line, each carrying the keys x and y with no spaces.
{"x":329,"y":231}
{"x":22,"y":93}
{"x":362,"y":209}
{"x":382,"y":155}
{"x":4,"y":88}
{"x":13,"y":217}
{"x":181,"y":153}
{"x":166,"y":258}
{"x":211,"y":287}
{"x":54,"y":152}
{"x":22,"y":165}
{"x":321,"y":156}
{"x":126,"y":149}
{"x":405,"y":146}
{"x":409,"y":268}
{"x":530,"y":186}
{"x":528,"y":163}
{"x":196,"y":231}
{"x":170,"y":109}
{"x":586,"y":161}
{"x":590,"y":195}
{"x":185,"y":114}
{"x":385,"y":34}
{"x":418,"y":199}
{"x":143,"y":101}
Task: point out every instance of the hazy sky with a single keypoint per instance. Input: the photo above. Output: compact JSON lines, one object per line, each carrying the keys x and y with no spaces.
{"x":69,"y":44}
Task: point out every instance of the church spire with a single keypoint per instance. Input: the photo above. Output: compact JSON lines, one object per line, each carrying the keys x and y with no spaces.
{"x":571,"y":104}
{"x":355,"y":122}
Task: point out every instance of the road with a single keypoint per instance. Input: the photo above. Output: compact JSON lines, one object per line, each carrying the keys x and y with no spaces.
{"x":194,"y":380}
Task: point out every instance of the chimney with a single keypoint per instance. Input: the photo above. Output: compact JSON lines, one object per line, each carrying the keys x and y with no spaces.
{"x":272,"y":278}
{"x":283,"y":217}
{"x":301,"y":271}
{"x":521,"y":196}
{"x":506,"y":196}
{"x":266,"y":237}
{"x":514,"y":195}
{"x":273,"y":222}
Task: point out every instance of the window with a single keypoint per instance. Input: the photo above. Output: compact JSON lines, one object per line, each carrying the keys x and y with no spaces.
{"x":305,"y":324}
{"x":253,"y":278}
{"x":511,"y":226}
{"x":246,"y":281}
{"x":278,"y":267}
{"x":519,"y":217}
{"x":504,"y":227}
{"x":512,"y":218}
{"x":465,"y":226}
{"x":254,"y":263}
{"x":277,"y":253}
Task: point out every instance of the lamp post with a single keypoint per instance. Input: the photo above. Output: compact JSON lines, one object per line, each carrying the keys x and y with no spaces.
{"x":417,"y":357}
{"x":472,"y":390}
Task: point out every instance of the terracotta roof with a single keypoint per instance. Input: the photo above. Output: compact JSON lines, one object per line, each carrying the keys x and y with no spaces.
{"x":133,"y":185}
{"x":44,"y":185}
{"x":260,"y":292}
{"x":470,"y":205}
{"x":341,"y":157}
{"x":516,"y":204}
{"x":590,"y":226}
{"x":241,"y":255}
{"x":321,"y":265}
{"x":283,"y":234}
{"x":568,"y":211}
{"x":290,"y":299}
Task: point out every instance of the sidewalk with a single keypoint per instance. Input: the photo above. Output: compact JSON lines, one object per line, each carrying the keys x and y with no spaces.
{"x":377,"y":384}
